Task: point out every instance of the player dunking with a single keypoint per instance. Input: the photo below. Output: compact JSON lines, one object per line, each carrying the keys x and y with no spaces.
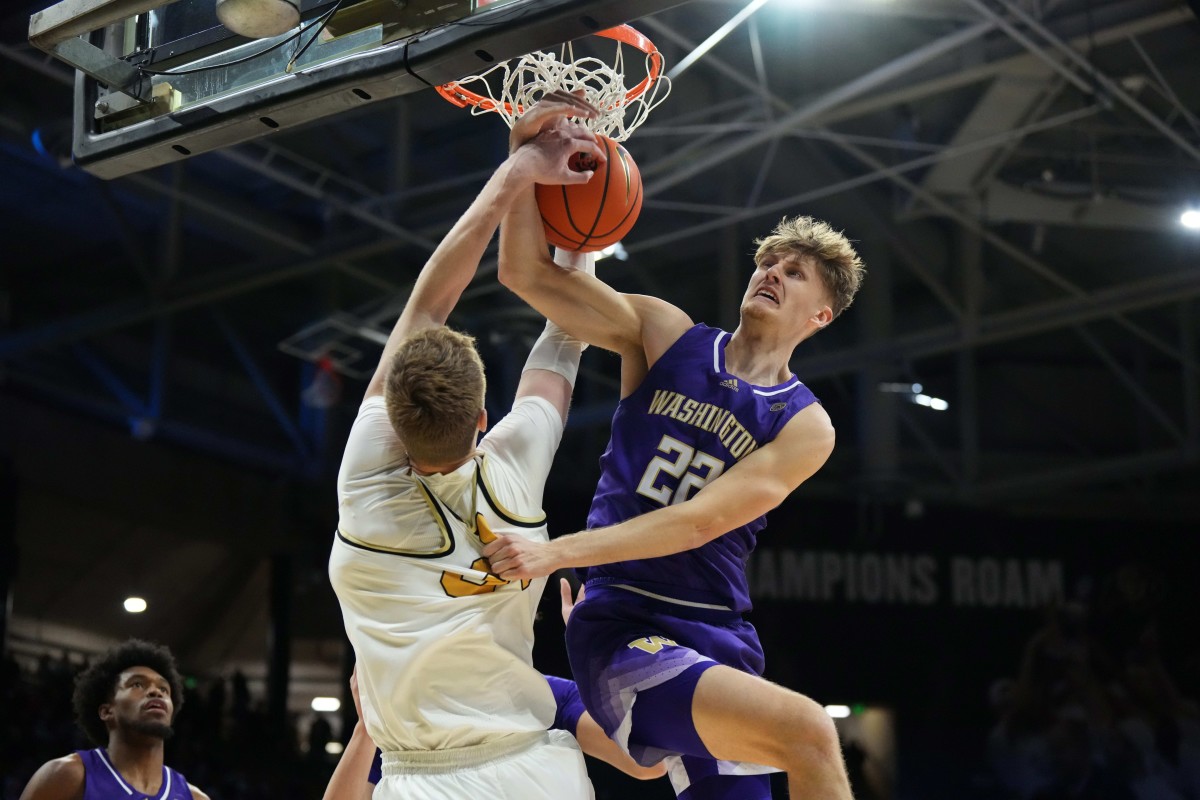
{"x":125,"y":703}
{"x":712,"y":431}
{"x":444,"y":649}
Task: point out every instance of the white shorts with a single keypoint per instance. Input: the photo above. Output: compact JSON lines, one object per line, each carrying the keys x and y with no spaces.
{"x":543,"y":766}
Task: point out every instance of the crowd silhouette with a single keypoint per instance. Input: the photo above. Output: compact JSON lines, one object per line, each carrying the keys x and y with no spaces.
{"x":1093,"y":711}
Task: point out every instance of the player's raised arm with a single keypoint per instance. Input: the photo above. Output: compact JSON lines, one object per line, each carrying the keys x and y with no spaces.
{"x":635,"y":327}
{"x":553,"y":362}
{"x":454,"y":262}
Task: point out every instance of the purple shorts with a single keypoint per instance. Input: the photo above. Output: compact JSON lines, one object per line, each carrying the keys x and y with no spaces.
{"x":625,"y":646}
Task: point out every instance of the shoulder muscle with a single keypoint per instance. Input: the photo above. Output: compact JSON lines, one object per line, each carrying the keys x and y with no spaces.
{"x":60,"y":779}
{"x":661,"y":326}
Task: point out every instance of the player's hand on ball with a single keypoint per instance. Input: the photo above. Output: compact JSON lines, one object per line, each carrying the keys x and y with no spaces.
{"x":547,"y":158}
{"x":552,"y":110}
{"x":514,"y":558}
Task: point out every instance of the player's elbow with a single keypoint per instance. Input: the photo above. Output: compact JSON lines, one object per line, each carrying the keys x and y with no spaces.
{"x":703,"y":529}
{"x":713,"y":519}
{"x":648,"y":773}
{"x":523,"y":273}
{"x":512,"y":278}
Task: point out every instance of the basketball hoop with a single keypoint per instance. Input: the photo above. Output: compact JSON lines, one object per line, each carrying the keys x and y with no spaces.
{"x":511,"y":87}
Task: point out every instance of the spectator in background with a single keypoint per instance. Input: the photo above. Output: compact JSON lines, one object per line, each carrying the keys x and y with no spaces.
{"x":125,"y":703}
{"x":1094,"y":713}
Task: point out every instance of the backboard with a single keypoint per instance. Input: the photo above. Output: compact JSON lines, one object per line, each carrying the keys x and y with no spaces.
{"x":158,"y":82}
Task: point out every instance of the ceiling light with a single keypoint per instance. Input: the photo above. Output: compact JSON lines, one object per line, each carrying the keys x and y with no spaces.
{"x":326,"y":704}
{"x":334,"y":748}
{"x":838,"y":712}
{"x":135,"y":605}
{"x":1190,"y":219}
{"x":936,"y":403}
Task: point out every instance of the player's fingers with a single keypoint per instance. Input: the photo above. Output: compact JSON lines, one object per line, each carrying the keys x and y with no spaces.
{"x":589,"y":145}
{"x":564,"y":590}
{"x":493,"y":547}
{"x":572,"y":176}
{"x":575,"y":99}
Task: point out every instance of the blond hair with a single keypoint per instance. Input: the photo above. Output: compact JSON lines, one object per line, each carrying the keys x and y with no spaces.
{"x":836,"y":259}
{"x":434,"y":393}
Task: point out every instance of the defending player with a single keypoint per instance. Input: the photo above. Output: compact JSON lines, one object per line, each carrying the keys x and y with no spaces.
{"x":125,"y":703}
{"x":443,"y":649}
{"x":719,"y":421}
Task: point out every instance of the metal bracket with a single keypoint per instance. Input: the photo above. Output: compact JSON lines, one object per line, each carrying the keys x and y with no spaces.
{"x":114,"y":73}
{"x":56,"y":30}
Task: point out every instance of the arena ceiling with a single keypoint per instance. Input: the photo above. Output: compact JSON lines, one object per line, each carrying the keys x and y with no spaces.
{"x":1014,"y":172}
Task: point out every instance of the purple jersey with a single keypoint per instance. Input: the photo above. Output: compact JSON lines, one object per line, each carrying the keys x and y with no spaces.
{"x":688,"y":422}
{"x":103,"y":782}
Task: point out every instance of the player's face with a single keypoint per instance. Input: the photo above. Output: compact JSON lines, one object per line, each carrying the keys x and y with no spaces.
{"x":141,"y":703}
{"x":790,"y":288}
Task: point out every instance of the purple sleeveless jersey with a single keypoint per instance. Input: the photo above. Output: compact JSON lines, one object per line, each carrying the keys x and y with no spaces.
{"x":688,"y":422}
{"x":103,"y":782}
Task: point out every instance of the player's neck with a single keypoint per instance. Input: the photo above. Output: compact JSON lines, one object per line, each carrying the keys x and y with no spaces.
{"x":139,"y":760}
{"x":758,"y":357}
{"x":421,"y":468}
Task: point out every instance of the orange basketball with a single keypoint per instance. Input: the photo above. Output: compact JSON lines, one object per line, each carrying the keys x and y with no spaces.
{"x":592,"y":216}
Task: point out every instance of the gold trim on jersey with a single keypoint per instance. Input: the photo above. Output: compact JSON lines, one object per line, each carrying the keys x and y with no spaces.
{"x":392,"y":551}
{"x":439,"y":516}
{"x":501,"y":511}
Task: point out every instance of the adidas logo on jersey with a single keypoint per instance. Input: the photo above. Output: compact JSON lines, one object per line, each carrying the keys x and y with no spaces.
{"x":730,"y":383}
{"x":778,"y":406}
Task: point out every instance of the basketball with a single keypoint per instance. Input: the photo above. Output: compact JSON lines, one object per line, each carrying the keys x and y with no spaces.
{"x":591,"y":216}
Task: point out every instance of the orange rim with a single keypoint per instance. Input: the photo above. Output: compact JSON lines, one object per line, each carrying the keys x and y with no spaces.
{"x":624,"y":34}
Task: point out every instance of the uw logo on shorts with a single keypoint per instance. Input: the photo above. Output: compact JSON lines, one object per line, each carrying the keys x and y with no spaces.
{"x":651,"y":644}
{"x":778,"y":406}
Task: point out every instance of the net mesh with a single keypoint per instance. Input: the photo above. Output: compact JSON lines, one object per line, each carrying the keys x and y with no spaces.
{"x":516,"y":85}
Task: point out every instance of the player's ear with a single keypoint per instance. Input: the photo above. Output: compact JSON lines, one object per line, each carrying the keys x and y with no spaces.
{"x":822,"y":317}
{"x":481,"y":423}
{"x":105,"y":712}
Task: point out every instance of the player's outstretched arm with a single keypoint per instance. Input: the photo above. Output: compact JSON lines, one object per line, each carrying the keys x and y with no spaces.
{"x":60,"y":779}
{"x":454,"y":262}
{"x":350,"y":778}
{"x":746,"y":491}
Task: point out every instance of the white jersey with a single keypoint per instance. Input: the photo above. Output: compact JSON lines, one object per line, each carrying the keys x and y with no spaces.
{"x":444,"y":650}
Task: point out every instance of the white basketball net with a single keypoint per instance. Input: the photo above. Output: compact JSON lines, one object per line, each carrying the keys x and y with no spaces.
{"x":523,"y":81}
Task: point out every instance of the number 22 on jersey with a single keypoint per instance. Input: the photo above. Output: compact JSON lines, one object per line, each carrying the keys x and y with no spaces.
{"x":678,"y":473}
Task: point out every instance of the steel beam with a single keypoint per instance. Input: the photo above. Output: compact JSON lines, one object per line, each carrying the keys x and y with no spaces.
{"x":1007,"y":325}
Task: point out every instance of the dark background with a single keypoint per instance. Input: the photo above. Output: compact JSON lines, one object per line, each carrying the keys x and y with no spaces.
{"x":159,"y":432}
